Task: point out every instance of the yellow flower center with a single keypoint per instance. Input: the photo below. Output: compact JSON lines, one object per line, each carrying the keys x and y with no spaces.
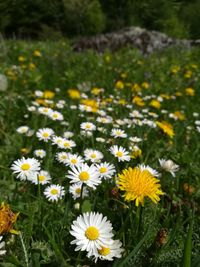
{"x":84,"y":176}
{"x":93,"y":156}
{"x":54,"y":191}
{"x":25,"y":166}
{"x":45,"y":135}
{"x":73,"y":161}
{"x":104,"y":251}
{"x":64,"y":157}
{"x":78,"y":191}
{"x":41,"y":178}
{"x":66,"y":144}
{"x":92,"y":233}
{"x":119,"y":154}
{"x":87,"y":126}
{"x":55,"y":116}
{"x":103,"y":170}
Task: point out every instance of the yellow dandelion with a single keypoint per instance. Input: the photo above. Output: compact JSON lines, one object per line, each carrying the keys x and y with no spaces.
{"x":119,"y":85}
{"x":190,"y":91}
{"x":48,"y":94}
{"x":155,"y":103}
{"x":7,"y":219}
{"x":74,"y":93}
{"x":139,"y":184}
{"x":166,"y":127}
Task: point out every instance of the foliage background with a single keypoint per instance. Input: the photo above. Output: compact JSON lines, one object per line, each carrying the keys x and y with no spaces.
{"x":51,"y":19}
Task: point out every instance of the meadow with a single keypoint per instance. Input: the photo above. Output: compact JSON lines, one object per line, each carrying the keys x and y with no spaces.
{"x":99,"y":157}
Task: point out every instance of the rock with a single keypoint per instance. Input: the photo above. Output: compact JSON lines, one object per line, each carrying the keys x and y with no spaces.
{"x":146,"y":41}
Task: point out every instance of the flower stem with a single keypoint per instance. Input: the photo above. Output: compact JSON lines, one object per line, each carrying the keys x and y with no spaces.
{"x":24,"y":249}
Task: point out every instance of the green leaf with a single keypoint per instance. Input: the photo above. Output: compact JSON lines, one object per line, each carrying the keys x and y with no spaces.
{"x":186,"y":261}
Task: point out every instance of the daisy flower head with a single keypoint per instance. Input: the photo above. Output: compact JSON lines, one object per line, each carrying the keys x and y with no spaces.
{"x":40,"y":153}
{"x":88,"y":126}
{"x":44,"y":110}
{"x":92,"y":231}
{"x":85,"y":174}
{"x":55,"y":115}
{"x":2,"y":245}
{"x":68,"y":134}
{"x":169,"y":166}
{"x":43,"y":177}
{"x":106,"y":170}
{"x":139,"y":184}
{"x":143,"y":167}
{"x":86,"y":133}
{"x":62,"y":157}
{"x":116,"y":133}
{"x":75,"y":190}
{"x":73,"y":160}
{"x":93,"y":155}
{"x":23,"y":129}
{"x":66,"y":144}
{"x":57,"y":140}
{"x":120,"y":153}
{"x":54,"y":192}
{"x":110,"y":252}
{"x":25,"y":168}
{"x":44,"y":134}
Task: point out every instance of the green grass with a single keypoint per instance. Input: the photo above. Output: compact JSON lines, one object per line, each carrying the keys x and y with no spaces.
{"x":44,"y":238}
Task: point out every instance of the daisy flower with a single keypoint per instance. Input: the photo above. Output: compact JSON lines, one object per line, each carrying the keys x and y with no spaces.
{"x":139,"y":184}
{"x":56,"y":140}
{"x":66,"y":144}
{"x":55,"y":116}
{"x":43,"y":177}
{"x":44,"y":110}
{"x":44,"y":134}
{"x":143,"y":167}
{"x":110,"y":252}
{"x":120,"y":153}
{"x":92,"y":231}
{"x":118,"y":133}
{"x":169,"y":166}
{"x":25,"y":168}
{"x":54,"y":192}
{"x":84,"y":174}
{"x":40,"y":153}
{"x":86,"y":133}
{"x":68,"y":134}
{"x":93,"y":155}
{"x":62,"y":157}
{"x":23,"y":129}
{"x":73,"y":160}
{"x":106,"y":170}
{"x":88,"y":126}
{"x":2,"y":245}
{"x":75,"y":190}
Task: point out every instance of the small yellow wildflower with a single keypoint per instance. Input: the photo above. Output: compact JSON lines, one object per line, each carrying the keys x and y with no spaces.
{"x":37,"y":53}
{"x":179,"y":115}
{"x":119,"y":85}
{"x":48,"y":94}
{"x":21,"y":59}
{"x":139,"y":184}
{"x":190,"y":91}
{"x":155,"y":103}
{"x":166,"y":127}
{"x":7,"y":219}
{"x":138,"y":101}
{"x":74,"y":93}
